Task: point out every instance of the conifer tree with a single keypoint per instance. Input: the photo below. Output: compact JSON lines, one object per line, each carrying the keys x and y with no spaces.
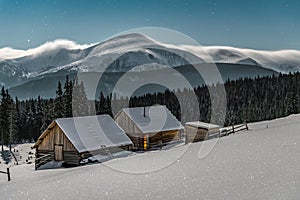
{"x":67,"y":96}
{"x":291,"y":99}
{"x":13,"y":124}
{"x":38,"y":118}
{"x":18,"y":120}
{"x":4,"y":117}
{"x":79,"y":100}
{"x":7,"y":121}
{"x":104,"y":105}
{"x":59,"y":102}
{"x":48,"y":114}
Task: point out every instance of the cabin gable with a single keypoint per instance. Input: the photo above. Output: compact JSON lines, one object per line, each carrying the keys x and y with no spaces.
{"x":55,"y":136}
{"x":146,"y":140}
{"x":126,"y":123}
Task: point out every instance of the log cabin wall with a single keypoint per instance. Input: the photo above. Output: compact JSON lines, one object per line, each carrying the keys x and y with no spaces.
{"x":127,"y":124}
{"x":45,"y":149}
{"x":48,"y":142}
{"x":194,"y":134}
{"x":58,"y":136}
{"x":71,"y":155}
{"x":162,"y":138}
{"x":138,"y":142}
{"x":213,"y":130}
{"x":132,"y":131}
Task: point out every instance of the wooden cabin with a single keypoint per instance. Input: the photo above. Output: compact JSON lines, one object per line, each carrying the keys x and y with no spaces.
{"x":149,"y":127}
{"x":199,"y":131}
{"x":71,"y":140}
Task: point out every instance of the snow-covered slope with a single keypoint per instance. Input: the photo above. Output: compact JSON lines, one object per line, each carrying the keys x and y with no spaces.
{"x":262,"y":163}
{"x":123,"y":52}
{"x":50,"y":59}
{"x":12,"y":73}
{"x":23,"y":155}
{"x":51,"y":55}
{"x":17,"y":66}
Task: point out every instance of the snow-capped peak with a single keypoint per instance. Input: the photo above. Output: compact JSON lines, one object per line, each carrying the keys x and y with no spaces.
{"x":125,"y":51}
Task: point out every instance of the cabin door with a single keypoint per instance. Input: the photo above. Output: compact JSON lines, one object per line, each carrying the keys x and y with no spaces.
{"x":58,"y":144}
{"x":58,"y":152}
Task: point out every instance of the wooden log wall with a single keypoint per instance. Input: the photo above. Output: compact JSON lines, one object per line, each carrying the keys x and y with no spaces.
{"x":72,"y":158}
{"x":163,"y":138}
{"x":138,"y":142}
{"x":48,"y":142}
{"x":194,"y":134}
{"x":126,"y":123}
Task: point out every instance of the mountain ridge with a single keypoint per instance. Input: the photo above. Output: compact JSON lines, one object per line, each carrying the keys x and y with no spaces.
{"x":131,"y":52}
{"x":60,"y":56}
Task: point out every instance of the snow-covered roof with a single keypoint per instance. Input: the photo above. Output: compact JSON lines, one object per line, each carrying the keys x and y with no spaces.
{"x":156,"y":119}
{"x":91,"y":132}
{"x":204,"y":125}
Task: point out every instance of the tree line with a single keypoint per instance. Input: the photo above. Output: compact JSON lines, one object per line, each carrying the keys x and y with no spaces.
{"x":23,"y":121}
{"x":248,"y":100}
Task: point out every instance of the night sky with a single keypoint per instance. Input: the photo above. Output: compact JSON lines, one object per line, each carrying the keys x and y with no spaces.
{"x":257,"y":24}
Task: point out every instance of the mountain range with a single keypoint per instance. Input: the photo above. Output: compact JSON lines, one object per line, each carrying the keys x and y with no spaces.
{"x":33,"y":72}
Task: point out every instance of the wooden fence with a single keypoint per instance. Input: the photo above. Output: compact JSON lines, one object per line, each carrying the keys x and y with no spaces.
{"x":43,"y":160}
{"x":7,"y":172}
{"x":235,"y":129}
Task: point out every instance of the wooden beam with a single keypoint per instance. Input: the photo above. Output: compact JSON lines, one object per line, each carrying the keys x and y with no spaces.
{"x":7,"y":172}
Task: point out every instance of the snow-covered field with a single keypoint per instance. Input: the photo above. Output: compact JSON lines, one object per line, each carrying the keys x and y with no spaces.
{"x":262,"y":163}
{"x":23,"y":155}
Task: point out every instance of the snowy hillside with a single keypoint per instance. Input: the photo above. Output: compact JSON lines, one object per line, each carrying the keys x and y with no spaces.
{"x":262,"y":163}
{"x":17,"y":66}
{"x":11,"y":73}
{"x":126,"y":51}
{"x":22,"y":154}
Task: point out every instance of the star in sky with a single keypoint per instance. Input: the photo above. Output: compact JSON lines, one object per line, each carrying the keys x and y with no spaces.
{"x":254,"y":24}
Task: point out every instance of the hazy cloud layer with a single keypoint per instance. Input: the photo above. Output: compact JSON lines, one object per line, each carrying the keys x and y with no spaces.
{"x":10,"y":53}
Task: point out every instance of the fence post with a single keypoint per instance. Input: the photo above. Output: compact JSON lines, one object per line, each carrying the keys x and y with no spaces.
{"x":8,"y":174}
{"x":233,"y":128}
{"x":247,"y":127}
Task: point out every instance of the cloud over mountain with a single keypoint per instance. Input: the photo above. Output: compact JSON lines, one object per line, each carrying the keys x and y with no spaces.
{"x":56,"y":45}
